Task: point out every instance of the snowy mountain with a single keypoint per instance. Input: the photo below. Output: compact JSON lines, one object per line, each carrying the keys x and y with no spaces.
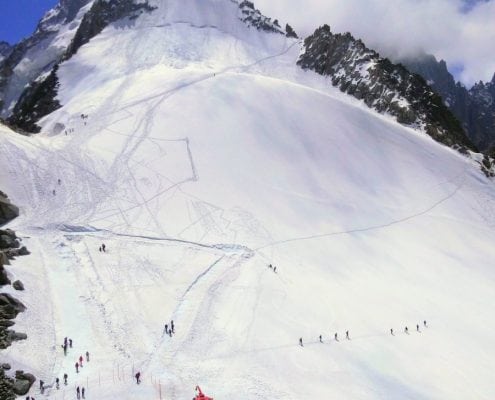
{"x":35,"y":56}
{"x":383,"y":86}
{"x":5,"y":50}
{"x":187,"y":140}
{"x":475,"y":107}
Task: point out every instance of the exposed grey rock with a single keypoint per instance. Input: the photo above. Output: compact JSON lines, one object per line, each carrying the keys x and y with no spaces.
{"x":23,"y":382}
{"x":475,"y":107}
{"x":253,"y":17}
{"x":23,"y":251}
{"x":8,"y":211}
{"x":382,"y":85}
{"x":37,"y":51}
{"x":18,"y":285}
{"x":9,"y":306}
{"x":5,"y":366}
{"x":39,"y":98}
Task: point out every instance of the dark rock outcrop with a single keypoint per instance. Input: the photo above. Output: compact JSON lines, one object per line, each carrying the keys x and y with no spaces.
{"x":382,"y":85}
{"x":38,"y":53}
{"x":18,"y":285}
{"x":102,"y":14}
{"x":475,"y":108}
{"x":8,"y":211}
{"x":23,"y":382}
{"x":253,"y":17}
{"x":39,"y":98}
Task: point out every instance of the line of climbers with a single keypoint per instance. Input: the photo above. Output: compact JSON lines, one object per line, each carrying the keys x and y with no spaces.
{"x":336,"y":337}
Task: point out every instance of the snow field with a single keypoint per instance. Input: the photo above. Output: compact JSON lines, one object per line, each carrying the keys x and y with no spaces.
{"x":198,"y":168}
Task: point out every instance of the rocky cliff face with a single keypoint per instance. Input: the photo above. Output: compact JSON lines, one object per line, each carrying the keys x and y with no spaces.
{"x":382,"y":85}
{"x":36,"y":55}
{"x":475,"y":108}
{"x":39,"y":97}
{"x":8,"y":211}
{"x":5,"y":50}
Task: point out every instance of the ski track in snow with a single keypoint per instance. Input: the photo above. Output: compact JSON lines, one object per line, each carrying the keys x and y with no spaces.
{"x":102,"y":298}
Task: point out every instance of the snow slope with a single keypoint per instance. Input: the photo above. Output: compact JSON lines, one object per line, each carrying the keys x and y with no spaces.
{"x":207,"y":155}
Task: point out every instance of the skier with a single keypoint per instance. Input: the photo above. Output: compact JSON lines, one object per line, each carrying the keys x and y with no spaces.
{"x":70,"y":343}
{"x":138,"y":375}
{"x":103,"y":247}
{"x":166,"y":329}
{"x":77,"y":367}
{"x":65,"y":379}
{"x":321,"y":341}
{"x":87,"y":356}
{"x":78,"y":392}
{"x":300,"y":342}
{"x":82,"y":392}
{"x":347,"y":335}
{"x":335,"y":336}
{"x":57,"y":384}
{"x":391,"y":331}
{"x":81,"y":361}
{"x":406,"y":330}
{"x":172,"y":328}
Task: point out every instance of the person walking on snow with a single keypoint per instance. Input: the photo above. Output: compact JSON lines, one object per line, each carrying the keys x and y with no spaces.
{"x":166,"y":329}
{"x":406,"y":330}
{"x":83,"y":392}
{"x":335,"y":336}
{"x":78,"y":392}
{"x":87,"y":356}
{"x":424,"y":323}
{"x":391,"y":331}
{"x":57,"y":383}
{"x":321,"y":341}
{"x":300,"y":342}
{"x":70,"y":343}
{"x":65,"y":379}
{"x":138,"y":376}
{"x":77,"y":367}
{"x":81,"y":361}
{"x":172,"y":327}
{"x":64,"y":346}
{"x":42,"y":386}
{"x":417,"y":327}
{"x":347,"y":335}
{"x":103,"y":247}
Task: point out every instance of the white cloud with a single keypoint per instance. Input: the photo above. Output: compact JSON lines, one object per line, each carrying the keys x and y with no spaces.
{"x":405,"y":27}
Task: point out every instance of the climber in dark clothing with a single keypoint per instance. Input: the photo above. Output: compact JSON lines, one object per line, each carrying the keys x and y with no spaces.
{"x":301,"y":342}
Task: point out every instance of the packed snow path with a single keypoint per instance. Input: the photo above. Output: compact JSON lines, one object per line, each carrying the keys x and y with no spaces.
{"x":200,"y":163}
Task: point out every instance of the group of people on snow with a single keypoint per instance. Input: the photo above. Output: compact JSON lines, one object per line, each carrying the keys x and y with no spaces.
{"x":170,"y":330}
{"x":103,"y":248}
{"x":406,"y":330}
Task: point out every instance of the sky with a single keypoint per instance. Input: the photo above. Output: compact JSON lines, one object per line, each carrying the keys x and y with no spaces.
{"x":18,"y":18}
{"x":462,"y":32}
